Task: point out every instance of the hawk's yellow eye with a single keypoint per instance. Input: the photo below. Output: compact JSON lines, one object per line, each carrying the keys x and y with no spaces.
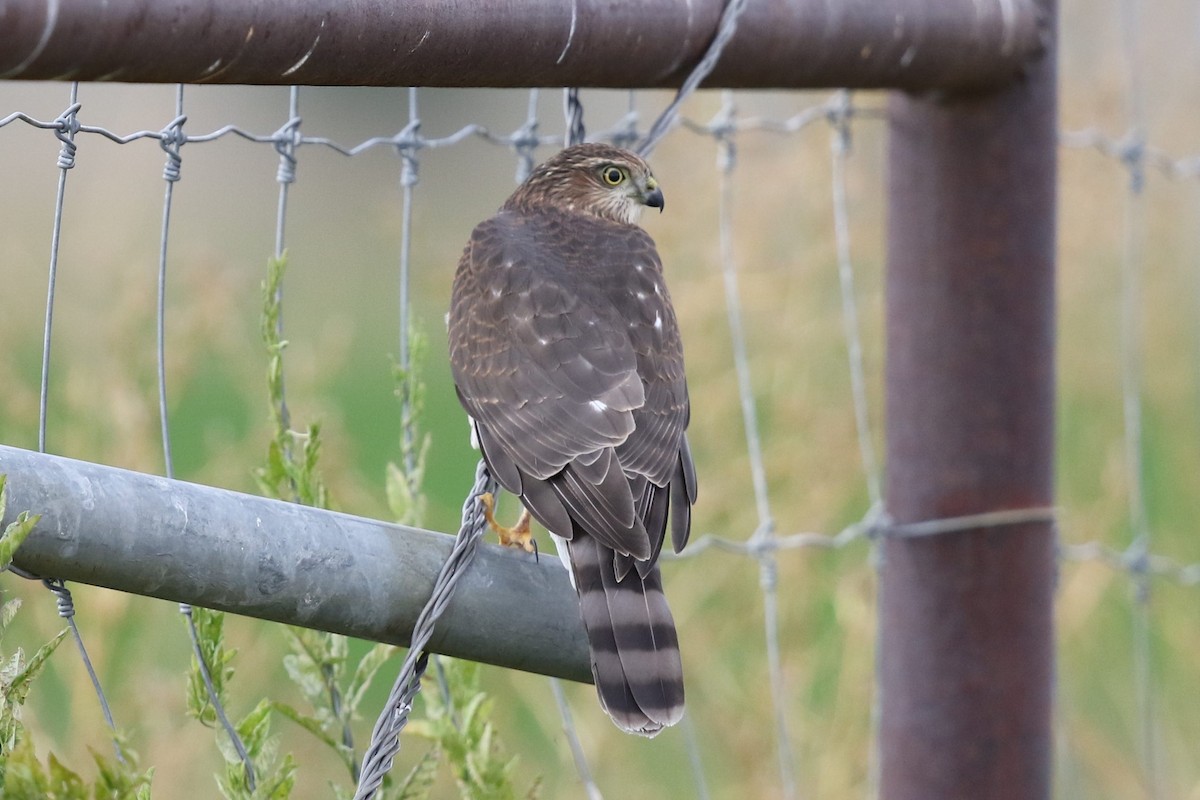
{"x":612,"y":175}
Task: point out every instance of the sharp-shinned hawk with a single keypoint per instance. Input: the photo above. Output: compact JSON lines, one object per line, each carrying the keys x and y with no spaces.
{"x":566,"y":355}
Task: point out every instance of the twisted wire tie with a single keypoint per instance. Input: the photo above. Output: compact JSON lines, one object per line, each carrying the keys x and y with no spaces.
{"x":66,"y":125}
{"x":286,"y":140}
{"x":171,"y":139}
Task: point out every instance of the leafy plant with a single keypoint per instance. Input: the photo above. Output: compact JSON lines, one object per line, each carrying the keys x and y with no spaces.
{"x":210,"y":629}
{"x":319,"y":662}
{"x":22,"y":775}
{"x":405,"y":480}
{"x":457,"y":719}
{"x":275,"y":777}
{"x":291,"y":469}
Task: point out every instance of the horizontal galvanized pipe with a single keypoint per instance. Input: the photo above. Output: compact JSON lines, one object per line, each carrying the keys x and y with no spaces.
{"x":907,"y":44}
{"x":288,"y":563}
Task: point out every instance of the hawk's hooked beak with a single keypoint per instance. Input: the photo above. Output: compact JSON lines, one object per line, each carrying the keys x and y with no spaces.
{"x":654,"y":197}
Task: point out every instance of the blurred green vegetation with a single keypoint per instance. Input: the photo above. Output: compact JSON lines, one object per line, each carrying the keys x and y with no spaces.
{"x":341,"y":320}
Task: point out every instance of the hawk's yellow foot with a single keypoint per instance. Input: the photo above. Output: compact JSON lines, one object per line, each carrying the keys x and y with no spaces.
{"x":518,"y":535}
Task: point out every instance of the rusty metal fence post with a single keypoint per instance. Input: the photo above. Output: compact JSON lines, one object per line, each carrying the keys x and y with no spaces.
{"x":966,"y":633}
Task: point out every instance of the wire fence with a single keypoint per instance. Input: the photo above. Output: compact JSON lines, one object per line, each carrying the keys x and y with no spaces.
{"x":840,"y":117}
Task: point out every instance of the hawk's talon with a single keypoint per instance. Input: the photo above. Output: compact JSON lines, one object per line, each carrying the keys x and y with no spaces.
{"x":518,"y":535}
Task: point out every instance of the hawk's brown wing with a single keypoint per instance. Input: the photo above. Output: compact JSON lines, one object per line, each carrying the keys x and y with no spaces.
{"x":565,"y":352}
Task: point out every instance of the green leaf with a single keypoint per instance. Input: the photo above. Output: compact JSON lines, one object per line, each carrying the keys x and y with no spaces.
{"x":7,"y":612}
{"x":18,"y":688}
{"x":117,"y":780}
{"x":16,"y":678}
{"x":16,"y":531}
{"x":210,"y":635}
{"x":364,"y":674}
{"x":466,"y":735}
{"x":63,"y":783}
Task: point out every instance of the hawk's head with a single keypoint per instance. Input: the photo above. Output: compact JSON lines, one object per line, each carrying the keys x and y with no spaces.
{"x":596,"y":179}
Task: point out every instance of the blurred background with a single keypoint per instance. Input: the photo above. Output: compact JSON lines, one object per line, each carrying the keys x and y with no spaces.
{"x":343,"y":237}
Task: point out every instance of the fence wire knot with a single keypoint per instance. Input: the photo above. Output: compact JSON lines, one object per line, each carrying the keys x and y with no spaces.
{"x":1136,"y":560}
{"x":66,"y":125}
{"x":573,"y":107}
{"x":839,"y":112}
{"x":722,"y":127}
{"x":525,"y":141}
{"x":66,"y":604}
{"x":1132,"y":153}
{"x":171,"y":139}
{"x":286,"y":140}
{"x":408,"y":142}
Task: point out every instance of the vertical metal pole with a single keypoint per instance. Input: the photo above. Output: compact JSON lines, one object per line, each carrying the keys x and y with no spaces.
{"x":966,"y":639}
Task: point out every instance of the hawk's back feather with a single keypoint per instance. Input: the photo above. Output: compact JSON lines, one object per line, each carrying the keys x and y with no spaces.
{"x":566,"y":354}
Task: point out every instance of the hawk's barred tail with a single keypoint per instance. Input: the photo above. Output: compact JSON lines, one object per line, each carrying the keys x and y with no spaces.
{"x":631,"y":634}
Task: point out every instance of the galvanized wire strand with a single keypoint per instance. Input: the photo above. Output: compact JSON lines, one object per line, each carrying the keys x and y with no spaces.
{"x":285,"y":140}
{"x":695,"y":759}
{"x":623,"y":132}
{"x":768,"y":570}
{"x":830,"y":110}
{"x":877,"y":525}
{"x":726,"y":158}
{"x":66,"y":610}
{"x":576,"y":747}
{"x":574,"y":132}
{"x":385,"y":741}
{"x":525,"y":140}
{"x":409,"y":176}
{"x":840,"y":146}
{"x":1130,"y":147}
{"x":1178,"y":167}
{"x":171,"y":141}
{"x":726,"y":28}
{"x":1131,"y":390}
{"x":841,"y":108}
{"x":65,"y":128}
{"x":1130,"y":562}
{"x":214,"y":700}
